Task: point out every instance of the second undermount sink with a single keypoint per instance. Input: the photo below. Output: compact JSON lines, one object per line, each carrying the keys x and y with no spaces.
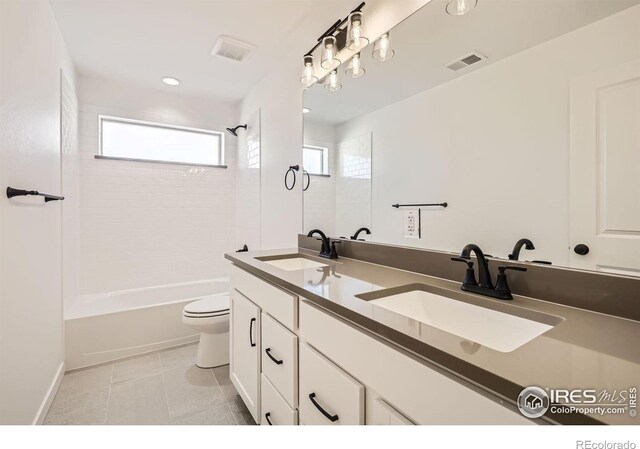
{"x":291,"y":262}
{"x":499,"y":326}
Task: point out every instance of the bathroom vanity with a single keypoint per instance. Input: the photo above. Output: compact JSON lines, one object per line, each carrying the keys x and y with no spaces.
{"x":318,"y":341}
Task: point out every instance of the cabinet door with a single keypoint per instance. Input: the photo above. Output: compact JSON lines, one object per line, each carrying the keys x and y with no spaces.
{"x":328,"y":395}
{"x":245,"y":351}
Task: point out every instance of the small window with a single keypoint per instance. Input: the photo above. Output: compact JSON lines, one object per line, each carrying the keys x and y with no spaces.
{"x":315,"y":160}
{"x":143,"y":141}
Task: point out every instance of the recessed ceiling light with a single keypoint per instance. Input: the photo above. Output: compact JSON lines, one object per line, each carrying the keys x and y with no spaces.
{"x":306,"y":110}
{"x":171,"y":81}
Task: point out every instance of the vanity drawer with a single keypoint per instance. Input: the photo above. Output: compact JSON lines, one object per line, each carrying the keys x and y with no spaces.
{"x":280,"y":358}
{"x":280,"y":304}
{"x":275,"y":410}
{"x":328,"y":395}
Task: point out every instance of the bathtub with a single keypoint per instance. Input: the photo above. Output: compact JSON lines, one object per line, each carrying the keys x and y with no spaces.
{"x":108,"y":326}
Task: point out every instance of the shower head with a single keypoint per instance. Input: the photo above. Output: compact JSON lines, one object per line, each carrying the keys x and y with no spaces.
{"x":234,"y":131}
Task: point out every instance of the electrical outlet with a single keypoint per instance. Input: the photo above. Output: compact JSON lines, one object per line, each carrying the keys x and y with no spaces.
{"x":412,"y":223}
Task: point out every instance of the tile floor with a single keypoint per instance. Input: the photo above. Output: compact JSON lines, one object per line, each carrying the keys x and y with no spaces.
{"x":160,"y":388}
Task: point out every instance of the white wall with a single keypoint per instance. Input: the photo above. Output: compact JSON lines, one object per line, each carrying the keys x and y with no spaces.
{"x":145,"y":224}
{"x":280,"y":102}
{"x":494,"y":144}
{"x":32,"y":53}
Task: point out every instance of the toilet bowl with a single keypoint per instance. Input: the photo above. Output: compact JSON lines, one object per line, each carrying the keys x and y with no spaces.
{"x":210,"y":317}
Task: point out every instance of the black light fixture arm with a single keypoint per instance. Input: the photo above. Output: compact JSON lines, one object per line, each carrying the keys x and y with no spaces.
{"x":332,"y":29}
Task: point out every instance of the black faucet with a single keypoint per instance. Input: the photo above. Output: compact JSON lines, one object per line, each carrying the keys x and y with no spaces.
{"x":528,"y":244}
{"x":328,"y":248}
{"x":483,"y":267}
{"x":485,"y":286}
{"x":365,"y":230}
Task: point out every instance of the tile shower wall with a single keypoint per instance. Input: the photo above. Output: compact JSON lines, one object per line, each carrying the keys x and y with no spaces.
{"x":353,"y":184}
{"x":146,"y":224}
{"x":320,"y":198}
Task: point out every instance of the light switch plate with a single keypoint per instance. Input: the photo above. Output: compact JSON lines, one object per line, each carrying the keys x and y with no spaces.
{"x":412,"y":223}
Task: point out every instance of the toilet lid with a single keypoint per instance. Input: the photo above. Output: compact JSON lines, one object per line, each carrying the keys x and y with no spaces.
{"x":210,"y":304}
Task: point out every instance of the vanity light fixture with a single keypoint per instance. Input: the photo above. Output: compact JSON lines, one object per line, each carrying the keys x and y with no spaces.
{"x":329,"y":60}
{"x":460,"y":7}
{"x":308,"y":72}
{"x":355,"y":69}
{"x":356,"y":39}
{"x":170,"y":81}
{"x":382,"y":50}
{"x":332,"y":84}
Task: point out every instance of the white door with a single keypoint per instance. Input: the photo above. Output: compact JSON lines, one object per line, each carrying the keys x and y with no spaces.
{"x":245,"y":351}
{"x":605,"y":170}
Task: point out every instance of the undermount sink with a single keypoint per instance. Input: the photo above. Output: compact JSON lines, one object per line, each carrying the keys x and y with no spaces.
{"x":291,"y":262}
{"x":498,"y":326}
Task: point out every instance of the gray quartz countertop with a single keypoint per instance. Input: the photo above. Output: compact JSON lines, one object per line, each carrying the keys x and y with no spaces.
{"x":586,"y":350}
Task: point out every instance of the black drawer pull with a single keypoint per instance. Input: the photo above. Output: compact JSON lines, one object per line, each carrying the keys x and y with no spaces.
{"x":253,"y":320}
{"x":266,"y":416}
{"x":276,"y":361}
{"x":332,"y":418}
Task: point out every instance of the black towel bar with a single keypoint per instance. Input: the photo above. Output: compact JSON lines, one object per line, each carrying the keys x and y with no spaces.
{"x":420,"y":205}
{"x":11,"y":192}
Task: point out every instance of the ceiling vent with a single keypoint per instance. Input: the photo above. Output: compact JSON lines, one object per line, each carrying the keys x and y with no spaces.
{"x":233,"y":49}
{"x":466,"y":61}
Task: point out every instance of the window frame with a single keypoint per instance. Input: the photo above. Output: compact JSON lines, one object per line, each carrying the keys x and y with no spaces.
{"x":101,"y":155}
{"x":325,"y":159}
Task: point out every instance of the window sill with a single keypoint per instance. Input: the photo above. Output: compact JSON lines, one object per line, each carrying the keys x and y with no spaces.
{"x":320,"y":174}
{"x":153,"y":161}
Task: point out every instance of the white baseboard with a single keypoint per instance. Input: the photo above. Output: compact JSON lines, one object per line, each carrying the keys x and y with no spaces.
{"x":48,"y":399}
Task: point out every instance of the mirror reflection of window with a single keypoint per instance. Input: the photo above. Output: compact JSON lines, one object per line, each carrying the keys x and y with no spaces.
{"x":316,"y":160}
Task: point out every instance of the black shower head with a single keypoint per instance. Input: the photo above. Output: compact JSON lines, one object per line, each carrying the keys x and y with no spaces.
{"x":234,"y":131}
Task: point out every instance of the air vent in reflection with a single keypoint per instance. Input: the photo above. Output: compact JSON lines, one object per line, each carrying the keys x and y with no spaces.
{"x":233,"y":49}
{"x":466,"y":61}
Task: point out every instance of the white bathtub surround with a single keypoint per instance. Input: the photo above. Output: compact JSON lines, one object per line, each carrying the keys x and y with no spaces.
{"x":147,"y":224}
{"x":109,"y":326}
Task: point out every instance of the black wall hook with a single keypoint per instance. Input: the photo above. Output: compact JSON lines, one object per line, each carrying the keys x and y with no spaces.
{"x":11,"y":192}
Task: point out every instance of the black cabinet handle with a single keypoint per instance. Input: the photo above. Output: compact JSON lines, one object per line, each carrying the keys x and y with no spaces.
{"x":266,"y":416}
{"x":332,"y":418}
{"x":253,"y":320}
{"x":276,"y":361}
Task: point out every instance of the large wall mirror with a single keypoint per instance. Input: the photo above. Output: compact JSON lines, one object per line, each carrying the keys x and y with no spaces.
{"x":523,"y":116}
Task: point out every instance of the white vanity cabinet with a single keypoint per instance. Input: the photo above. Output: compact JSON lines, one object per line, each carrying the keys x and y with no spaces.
{"x":294,"y":362}
{"x":264,"y":371}
{"x":244,"y":369}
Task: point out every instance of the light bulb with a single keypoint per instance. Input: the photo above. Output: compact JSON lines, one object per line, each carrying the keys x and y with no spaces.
{"x":460,"y":7}
{"x":332,"y":83}
{"x":308,"y":72}
{"x":356,"y":38}
{"x":382,"y":50}
{"x":329,"y":51}
{"x":355,"y":69}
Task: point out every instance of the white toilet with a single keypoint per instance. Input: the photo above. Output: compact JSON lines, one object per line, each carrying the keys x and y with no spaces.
{"x":210,"y":317}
